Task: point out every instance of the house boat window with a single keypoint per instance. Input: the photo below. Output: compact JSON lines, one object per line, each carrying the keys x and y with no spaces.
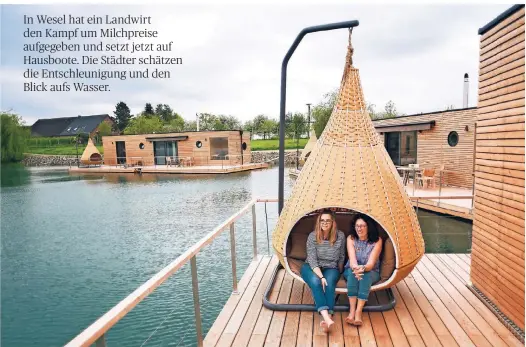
{"x":218,"y":148}
{"x":402,"y":147}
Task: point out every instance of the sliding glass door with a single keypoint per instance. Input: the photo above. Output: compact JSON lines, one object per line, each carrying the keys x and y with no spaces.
{"x":163,"y":149}
{"x":402,"y":147}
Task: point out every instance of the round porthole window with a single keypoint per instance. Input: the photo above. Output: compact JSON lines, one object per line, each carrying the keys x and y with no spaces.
{"x":199,"y":144}
{"x":141,"y":145}
{"x":244,"y":146}
{"x":452,"y":139}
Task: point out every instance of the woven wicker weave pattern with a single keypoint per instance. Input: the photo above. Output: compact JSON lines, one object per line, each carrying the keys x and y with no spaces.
{"x":350,"y":168}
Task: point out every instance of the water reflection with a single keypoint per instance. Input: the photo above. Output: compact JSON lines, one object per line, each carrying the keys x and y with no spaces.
{"x":445,"y":234}
{"x":14,"y":175}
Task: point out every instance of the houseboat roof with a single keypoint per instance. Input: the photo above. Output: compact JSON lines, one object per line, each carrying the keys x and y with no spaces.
{"x":180,"y":132}
{"x":500,"y":18}
{"x":418,"y":121}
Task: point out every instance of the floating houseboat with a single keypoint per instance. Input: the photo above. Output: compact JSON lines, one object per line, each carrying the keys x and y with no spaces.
{"x":184,"y":152}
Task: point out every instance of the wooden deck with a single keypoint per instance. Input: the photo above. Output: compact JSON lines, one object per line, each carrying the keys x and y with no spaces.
{"x":164,"y":169}
{"x":434,"y":308}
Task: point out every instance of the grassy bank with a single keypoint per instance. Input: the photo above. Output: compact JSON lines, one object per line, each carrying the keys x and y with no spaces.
{"x":59,"y":150}
{"x":268,"y":145}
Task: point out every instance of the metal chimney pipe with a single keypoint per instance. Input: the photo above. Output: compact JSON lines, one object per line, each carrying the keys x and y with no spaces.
{"x":466,"y":90}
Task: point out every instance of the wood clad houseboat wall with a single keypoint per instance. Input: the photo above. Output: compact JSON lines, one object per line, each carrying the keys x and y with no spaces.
{"x":189,"y":144}
{"x":433,"y":149}
{"x":497,"y":265}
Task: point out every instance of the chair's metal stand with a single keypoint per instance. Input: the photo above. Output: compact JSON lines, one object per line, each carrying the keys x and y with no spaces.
{"x":311,"y":307}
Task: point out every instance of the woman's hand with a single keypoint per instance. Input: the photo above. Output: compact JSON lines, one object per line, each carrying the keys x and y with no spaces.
{"x":323,"y":283}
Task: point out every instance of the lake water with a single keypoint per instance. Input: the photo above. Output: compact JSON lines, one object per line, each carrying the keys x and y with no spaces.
{"x":74,"y":246}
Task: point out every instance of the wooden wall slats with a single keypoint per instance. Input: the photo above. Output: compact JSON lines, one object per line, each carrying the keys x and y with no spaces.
{"x":501,"y":77}
{"x":502,"y":47}
{"x":500,"y":164}
{"x":510,"y":116}
{"x":502,"y":91}
{"x":492,"y":292}
{"x":519,"y":182}
{"x":503,"y":64}
{"x":498,"y":290}
{"x":518,"y":158}
{"x":508,"y":97}
{"x":497,"y":261}
{"x":505,"y":53}
{"x":497,"y":31}
{"x":507,"y":33}
{"x":501,"y":143}
{"x":504,"y":82}
{"x":512,"y":207}
{"x":500,"y":185}
{"x":509,"y":214}
{"x":501,"y":193}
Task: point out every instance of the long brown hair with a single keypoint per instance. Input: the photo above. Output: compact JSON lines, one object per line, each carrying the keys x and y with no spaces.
{"x":334,"y":228}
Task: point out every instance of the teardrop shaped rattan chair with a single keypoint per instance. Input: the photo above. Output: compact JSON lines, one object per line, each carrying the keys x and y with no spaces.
{"x":91,"y":155}
{"x":349,"y":171}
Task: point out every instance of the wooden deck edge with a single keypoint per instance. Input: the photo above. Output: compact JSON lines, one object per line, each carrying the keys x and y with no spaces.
{"x":226,"y":313}
{"x":508,"y":323}
{"x":456,"y":211}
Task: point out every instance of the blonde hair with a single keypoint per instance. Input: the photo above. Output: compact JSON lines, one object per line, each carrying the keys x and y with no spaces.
{"x":332,"y":232}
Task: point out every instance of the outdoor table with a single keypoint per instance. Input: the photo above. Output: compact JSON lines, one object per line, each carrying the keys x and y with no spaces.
{"x":406,"y":170}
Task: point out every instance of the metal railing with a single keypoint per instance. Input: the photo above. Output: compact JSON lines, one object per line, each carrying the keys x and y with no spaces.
{"x":228,"y":160}
{"x":96,"y":332}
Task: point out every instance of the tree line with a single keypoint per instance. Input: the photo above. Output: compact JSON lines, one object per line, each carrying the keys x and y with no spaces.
{"x":164,"y":119}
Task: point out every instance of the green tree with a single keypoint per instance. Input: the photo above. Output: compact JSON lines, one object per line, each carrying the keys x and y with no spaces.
{"x":249,"y":126}
{"x":144,"y":124}
{"x":190,"y":125}
{"x":165,"y":112}
{"x":269,"y":128}
{"x":295,"y":125}
{"x":148,"y":109}
{"x":223,"y":122}
{"x":14,"y":137}
{"x":390,"y":110}
{"x":258,"y":122}
{"x":122,"y":116}
{"x":322,"y":111}
{"x":207,"y":121}
{"x":177,"y":124}
{"x":104,"y":129}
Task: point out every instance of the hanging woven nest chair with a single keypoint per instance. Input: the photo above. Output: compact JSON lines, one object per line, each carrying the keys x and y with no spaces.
{"x":91,"y":155}
{"x":350,"y":172}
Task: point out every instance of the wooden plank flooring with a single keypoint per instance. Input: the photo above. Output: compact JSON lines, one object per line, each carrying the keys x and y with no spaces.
{"x":434,"y":308}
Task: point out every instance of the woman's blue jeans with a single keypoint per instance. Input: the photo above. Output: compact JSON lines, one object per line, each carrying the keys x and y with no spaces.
{"x":362,"y":287}
{"x":324,"y":300}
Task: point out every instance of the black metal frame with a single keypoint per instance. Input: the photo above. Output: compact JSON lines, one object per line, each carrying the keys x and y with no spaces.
{"x":311,"y":307}
{"x":308,"y":30}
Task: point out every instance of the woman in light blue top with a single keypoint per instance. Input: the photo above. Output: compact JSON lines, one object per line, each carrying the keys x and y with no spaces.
{"x":363,"y":268}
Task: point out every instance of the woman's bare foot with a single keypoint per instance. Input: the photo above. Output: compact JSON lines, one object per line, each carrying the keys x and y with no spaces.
{"x":358,"y":319}
{"x":350,"y":318}
{"x":326,"y":325}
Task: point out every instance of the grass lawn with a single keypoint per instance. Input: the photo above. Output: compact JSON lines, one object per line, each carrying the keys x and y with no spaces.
{"x":60,"y":150}
{"x":266,"y":145}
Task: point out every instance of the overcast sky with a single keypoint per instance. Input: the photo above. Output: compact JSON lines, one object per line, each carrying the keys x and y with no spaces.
{"x":415,"y":56}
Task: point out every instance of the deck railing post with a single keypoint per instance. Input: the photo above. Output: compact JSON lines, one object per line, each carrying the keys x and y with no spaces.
{"x":439,"y":189}
{"x":197,"y":309}
{"x":233,"y":256}
{"x":254,"y":238}
{"x":101,"y":341}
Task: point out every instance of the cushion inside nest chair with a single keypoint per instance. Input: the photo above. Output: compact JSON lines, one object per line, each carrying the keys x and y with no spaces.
{"x":297,"y":246}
